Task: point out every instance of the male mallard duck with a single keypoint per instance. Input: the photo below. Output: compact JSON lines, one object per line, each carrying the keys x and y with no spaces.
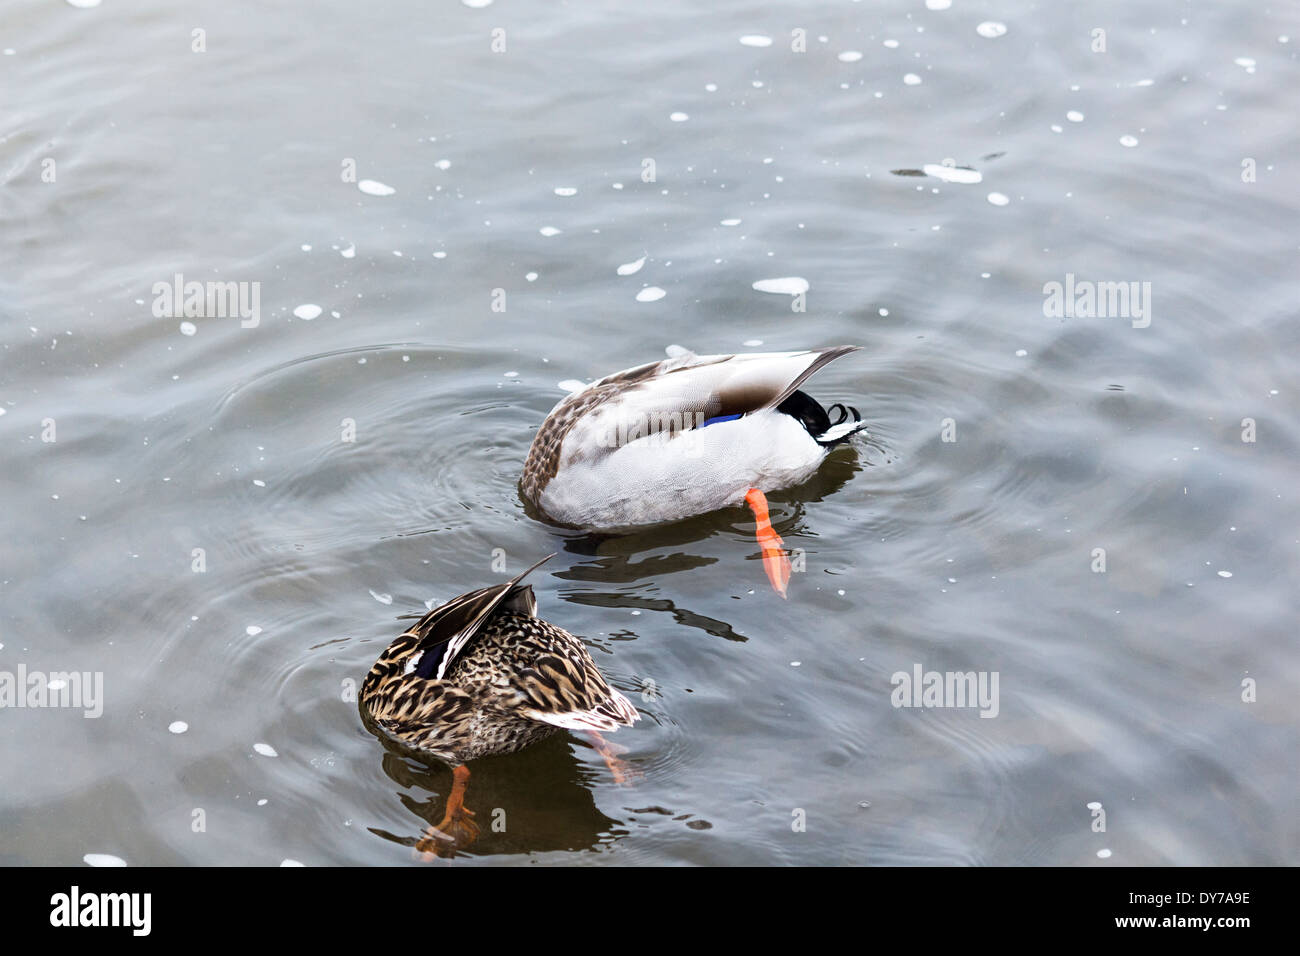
{"x":480,"y":675}
{"x":684,"y":436}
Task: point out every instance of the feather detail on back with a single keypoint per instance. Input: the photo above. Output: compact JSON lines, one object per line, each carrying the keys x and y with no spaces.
{"x":566,"y":690}
{"x":444,"y":632}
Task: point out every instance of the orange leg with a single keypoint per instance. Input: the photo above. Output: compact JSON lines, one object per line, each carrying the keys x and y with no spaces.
{"x":457,"y":829}
{"x":775,"y":562}
{"x":623,"y":774}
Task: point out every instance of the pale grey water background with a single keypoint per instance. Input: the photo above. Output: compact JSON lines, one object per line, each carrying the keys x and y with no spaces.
{"x":1122,"y":687}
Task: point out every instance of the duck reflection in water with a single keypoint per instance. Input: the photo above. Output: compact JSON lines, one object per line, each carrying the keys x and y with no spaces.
{"x":608,"y":563}
{"x":539,"y":800}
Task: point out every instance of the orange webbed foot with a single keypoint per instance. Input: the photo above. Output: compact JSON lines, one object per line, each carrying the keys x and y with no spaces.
{"x":624,"y":773}
{"x":775,"y":561}
{"x":457,"y":829}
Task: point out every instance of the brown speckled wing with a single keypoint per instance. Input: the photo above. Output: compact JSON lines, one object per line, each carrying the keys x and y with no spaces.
{"x":544,"y":454}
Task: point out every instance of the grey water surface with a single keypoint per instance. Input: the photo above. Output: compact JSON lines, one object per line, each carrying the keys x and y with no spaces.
{"x":183,"y":516}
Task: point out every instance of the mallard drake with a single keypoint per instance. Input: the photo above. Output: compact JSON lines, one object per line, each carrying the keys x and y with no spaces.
{"x":684,"y":436}
{"x":481,"y":675}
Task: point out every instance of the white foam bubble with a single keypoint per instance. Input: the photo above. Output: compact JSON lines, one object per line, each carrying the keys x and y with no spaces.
{"x":991,"y":29}
{"x":372,"y":187}
{"x":651,"y":293}
{"x":755,"y":39}
{"x":307,"y":311}
{"x":788,"y":285}
{"x":266,"y":750}
{"x":178,"y":726}
{"x":952,"y":174}
{"x":631,"y":268}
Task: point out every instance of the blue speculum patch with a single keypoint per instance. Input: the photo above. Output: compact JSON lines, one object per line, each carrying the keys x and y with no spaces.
{"x":720,"y":418}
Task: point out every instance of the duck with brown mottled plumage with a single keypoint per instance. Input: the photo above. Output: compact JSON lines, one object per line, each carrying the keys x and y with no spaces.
{"x":482,"y":675}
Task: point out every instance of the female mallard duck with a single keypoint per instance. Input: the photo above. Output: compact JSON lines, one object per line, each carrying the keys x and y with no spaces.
{"x":684,"y":436}
{"x":480,"y":675}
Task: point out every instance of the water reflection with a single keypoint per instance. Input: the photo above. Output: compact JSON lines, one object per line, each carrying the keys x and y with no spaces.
{"x":537,"y":800}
